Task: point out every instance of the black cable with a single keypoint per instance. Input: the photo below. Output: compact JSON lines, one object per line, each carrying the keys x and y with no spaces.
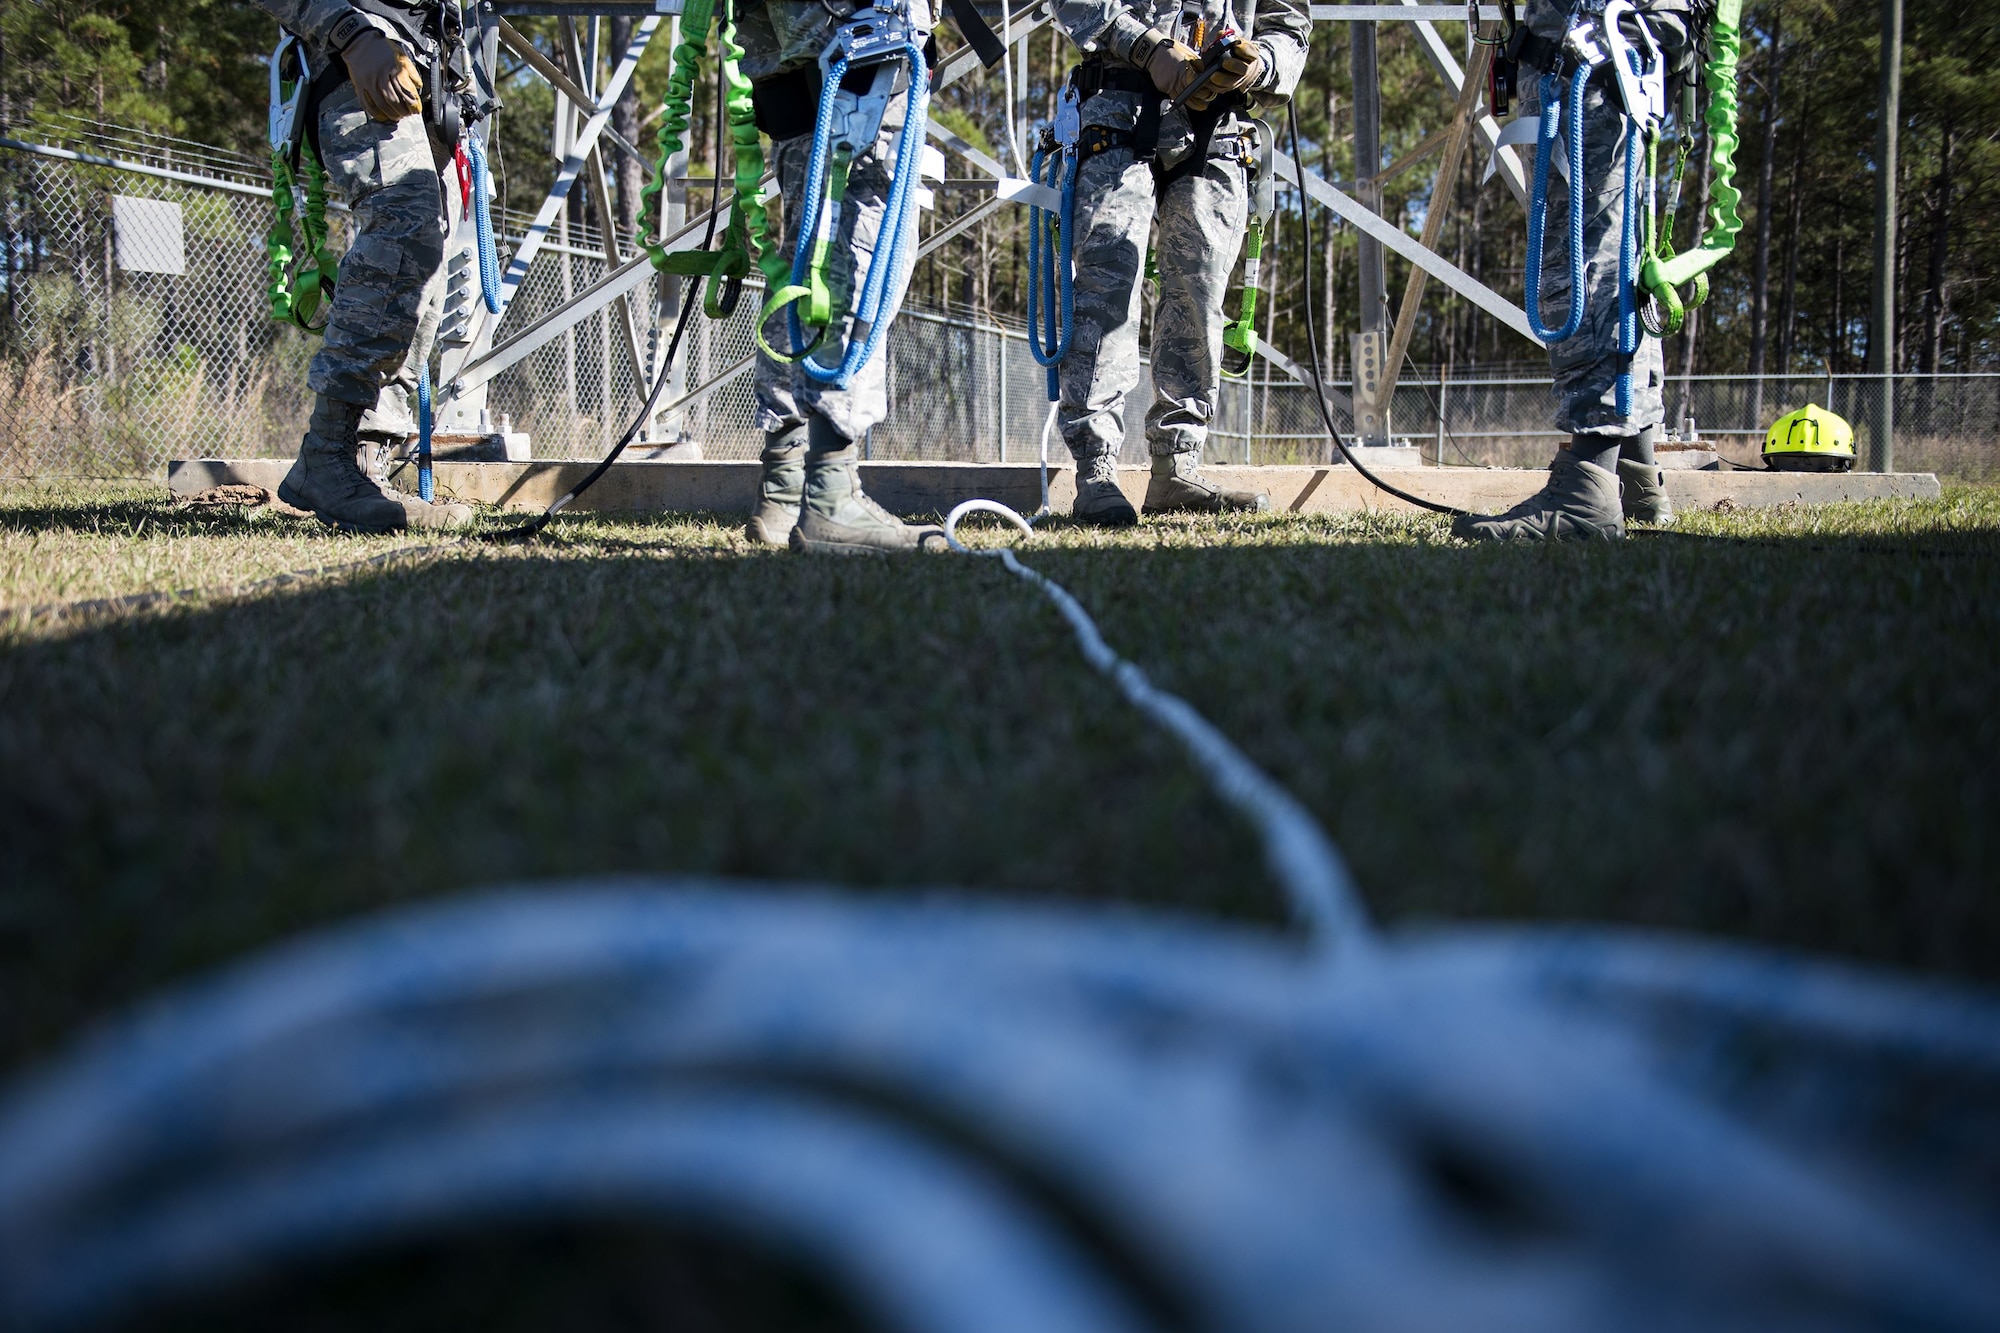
{"x":1312,"y":341}
{"x":534,"y":526}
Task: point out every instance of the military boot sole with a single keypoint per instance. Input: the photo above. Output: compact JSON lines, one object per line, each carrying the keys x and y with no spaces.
{"x":436,"y":516}
{"x":1486,"y":528}
{"x":815,"y":535}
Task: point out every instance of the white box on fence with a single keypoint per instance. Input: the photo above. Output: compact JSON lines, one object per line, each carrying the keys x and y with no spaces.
{"x":150,"y":237}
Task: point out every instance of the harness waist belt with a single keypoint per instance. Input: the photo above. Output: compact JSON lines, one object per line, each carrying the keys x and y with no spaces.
{"x":1095,"y":76}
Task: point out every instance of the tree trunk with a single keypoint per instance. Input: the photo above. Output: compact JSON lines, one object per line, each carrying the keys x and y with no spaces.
{"x":1693,"y":325}
{"x":1055,"y":72}
{"x":1899,"y":350}
{"x":1934,"y":288}
{"x":1788,"y":302}
{"x":629,"y":178}
{"x":1837,"y":341}
{"x":1761,"y":268}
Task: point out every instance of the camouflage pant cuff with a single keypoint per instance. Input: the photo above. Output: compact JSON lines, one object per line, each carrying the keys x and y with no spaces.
{"x":770,"y":421}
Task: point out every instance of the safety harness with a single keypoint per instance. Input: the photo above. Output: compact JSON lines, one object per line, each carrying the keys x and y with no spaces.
{"x":886,"y":44}
{"x":873,"y":54}
{"x":1143,"y":139}
{"x":1651,"y":276}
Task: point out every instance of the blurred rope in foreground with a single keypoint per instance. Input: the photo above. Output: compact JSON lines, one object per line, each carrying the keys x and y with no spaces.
{"x":976,"y":1117}
{"x":979,"y":1118}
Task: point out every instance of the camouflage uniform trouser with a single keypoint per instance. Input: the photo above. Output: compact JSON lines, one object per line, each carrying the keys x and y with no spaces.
{"x":1587,"y":364}
{"x":1201,"y":224}
{"x":785,"y":393}
{"x":391,"y":284}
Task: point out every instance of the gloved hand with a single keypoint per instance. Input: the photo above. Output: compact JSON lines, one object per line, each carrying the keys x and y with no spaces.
{"x":1242,"y":66}
{"x":385,"y":77}
{"x":1172,"y":66}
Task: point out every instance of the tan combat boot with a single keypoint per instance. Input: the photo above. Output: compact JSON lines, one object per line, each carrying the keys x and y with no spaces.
{"x":1579,"y":503}
{"x":780,"y":488}
{"x":1099,"y":500}
{"x":1177,"y":486}
{"x":836,"y":517}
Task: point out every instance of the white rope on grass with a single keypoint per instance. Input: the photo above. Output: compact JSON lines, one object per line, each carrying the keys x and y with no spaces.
{"x":1308,"y":867}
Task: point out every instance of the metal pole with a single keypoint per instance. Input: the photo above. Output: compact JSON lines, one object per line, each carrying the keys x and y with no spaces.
{"x":1368,"y":161}
{"x":1371,"y":409}
{"x":1882,"y":321}
{"x":1002,"y":337}
{"x":1444,"y":387}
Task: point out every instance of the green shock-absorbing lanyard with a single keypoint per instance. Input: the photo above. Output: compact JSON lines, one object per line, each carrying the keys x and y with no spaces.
{"x":744,"y":242}
{"x":1241,"y":336}
{"x":296,"y":299}
{"x":1663,"y":271}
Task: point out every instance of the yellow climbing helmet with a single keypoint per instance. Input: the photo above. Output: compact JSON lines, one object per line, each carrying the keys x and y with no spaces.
{"x":1811,"y":439}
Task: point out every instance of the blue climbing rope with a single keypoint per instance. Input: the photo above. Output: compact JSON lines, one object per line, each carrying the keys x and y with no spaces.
{"x":482,"y":225}
{"x":1553,"y":111}
{"x":1051,"y":270}
{"x":882,"y":291}
{"x":424,"y":481}
{"x":1628,"y":272}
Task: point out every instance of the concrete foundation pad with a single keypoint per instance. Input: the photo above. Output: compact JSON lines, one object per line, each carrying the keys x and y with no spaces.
{"x":933,"y":488}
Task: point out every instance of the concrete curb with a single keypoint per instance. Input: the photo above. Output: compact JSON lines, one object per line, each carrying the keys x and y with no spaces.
{"x":932,"y":488}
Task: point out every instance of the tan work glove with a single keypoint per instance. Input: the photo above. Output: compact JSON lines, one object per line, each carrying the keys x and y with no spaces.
{"x":1172,"y":66}
{"x":1242,"y":67}
{"x":384,"y":76}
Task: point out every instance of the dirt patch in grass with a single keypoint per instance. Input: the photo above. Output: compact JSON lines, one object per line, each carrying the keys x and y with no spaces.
{"x":1779,"y":726}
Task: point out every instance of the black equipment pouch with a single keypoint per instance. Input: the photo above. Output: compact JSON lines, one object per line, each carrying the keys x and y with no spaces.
{"x":1203,"y":123}
{"x":1503,"y":72}
{"x":787,"y":104}
{"x":1526,"y":47}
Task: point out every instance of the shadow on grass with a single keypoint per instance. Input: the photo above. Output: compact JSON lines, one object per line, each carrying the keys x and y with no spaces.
{"x":141,"y":515}
{"x":177,"y":788}
{"x":1766,"y":742}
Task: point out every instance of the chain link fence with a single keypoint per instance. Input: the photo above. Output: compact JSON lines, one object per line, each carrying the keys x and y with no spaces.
{"x":134,"y":330}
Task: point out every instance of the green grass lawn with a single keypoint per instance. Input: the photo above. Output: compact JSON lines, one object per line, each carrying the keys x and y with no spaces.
{"x":1785,"y":732}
